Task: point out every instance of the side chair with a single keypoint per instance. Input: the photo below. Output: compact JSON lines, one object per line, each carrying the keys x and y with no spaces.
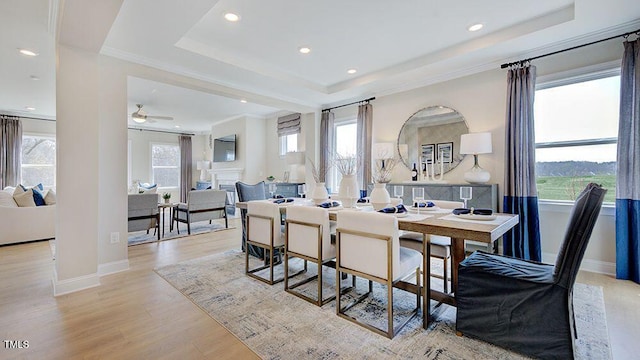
{"x":367,"y":246}
{"x":527,"y":306}
{"x":264,"y":231}
{"x":308,"y":237}
{"x":440,"y":245}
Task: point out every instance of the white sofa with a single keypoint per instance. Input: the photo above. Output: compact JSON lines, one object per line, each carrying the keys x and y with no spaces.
{"x":20,"y":224}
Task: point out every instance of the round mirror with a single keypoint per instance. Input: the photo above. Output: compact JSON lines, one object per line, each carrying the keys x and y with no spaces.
{"x":431,"y":138}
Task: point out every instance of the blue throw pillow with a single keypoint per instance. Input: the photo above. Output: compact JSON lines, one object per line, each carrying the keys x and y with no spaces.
{"x":38,"y":198}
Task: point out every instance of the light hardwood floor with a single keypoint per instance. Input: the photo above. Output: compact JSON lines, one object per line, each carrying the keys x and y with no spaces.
{"x":137,"y":315}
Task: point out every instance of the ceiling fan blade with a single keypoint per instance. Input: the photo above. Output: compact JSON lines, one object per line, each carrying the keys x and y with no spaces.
{"x":160,"y":117}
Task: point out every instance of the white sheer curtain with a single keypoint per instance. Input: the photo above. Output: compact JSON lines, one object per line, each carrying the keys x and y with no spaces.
{"x":10,"y":150}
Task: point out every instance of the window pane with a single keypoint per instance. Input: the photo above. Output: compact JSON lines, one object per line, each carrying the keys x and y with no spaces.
{"x":580,"y":111}
{"x":165,"y":155}
{"x":166,"y":177}
{"x":292,"y":143}
{"x":35,"y":175}
{"x":38,"y":161}
{"x":345,"y":144}
{"x":165,"y":161}
{"x":585,"y":110}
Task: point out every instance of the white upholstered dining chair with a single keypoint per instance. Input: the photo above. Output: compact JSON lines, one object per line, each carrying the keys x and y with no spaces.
{"x":308,"y":237}
{"x":367,"y":246}
{"x":440,"y":245}
{"x":264,"y":230}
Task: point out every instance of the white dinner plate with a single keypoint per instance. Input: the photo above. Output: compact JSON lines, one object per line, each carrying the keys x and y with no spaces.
{"x":433,"y":208}
{"x":477,"y":217}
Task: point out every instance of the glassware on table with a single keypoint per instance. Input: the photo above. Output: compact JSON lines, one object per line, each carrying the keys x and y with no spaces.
{"x":466,"y":193}
{"x":272,"y":189}
{"x":418,"y":197}
{"x":302,"y":190}
{"x":398,"y":191}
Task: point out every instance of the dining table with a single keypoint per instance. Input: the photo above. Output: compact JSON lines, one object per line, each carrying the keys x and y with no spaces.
{"x":443,"y":222}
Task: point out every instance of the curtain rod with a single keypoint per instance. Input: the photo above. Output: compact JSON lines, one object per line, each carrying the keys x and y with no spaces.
{"x":355,"y":102}
{"x":637,"y":32}
{"x":28,"y":117}
{"x":162,"y":131}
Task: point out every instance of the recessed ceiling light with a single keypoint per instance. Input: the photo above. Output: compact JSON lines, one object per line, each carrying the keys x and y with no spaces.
{"x":475,"y":27}
{"x":304,"y":50}
{"x":243,"y":101}
{"x":27,"y":52}
{"x":29,"y":108}
{"x":34,"y":78}
{"x":352,"y":71}
{"x":231,"y":17}
{"x":177,"y":126}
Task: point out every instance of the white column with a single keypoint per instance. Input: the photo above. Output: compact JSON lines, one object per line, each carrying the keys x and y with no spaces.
{"x":77,"y":177}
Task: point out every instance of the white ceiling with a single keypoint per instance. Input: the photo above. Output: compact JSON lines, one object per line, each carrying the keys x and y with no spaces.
{"x":394,"y":46}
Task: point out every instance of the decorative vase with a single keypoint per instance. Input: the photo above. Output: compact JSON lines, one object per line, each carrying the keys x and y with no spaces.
{"x":379,"y":197}
{"x":349,"y":191}
{"x":166,"y":201}
{"x":319,"y":194}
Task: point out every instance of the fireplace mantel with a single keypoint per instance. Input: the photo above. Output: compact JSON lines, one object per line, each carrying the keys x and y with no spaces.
{"x":225,"y":176}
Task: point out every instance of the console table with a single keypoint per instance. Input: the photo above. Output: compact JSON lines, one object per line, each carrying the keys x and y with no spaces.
{"x":483,"y":195}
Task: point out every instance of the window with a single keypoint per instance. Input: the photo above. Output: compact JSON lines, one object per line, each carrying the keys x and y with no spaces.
{"x":345,"y":143}
{"x":288,"y":143}
{"x":38,"y":161}
{"x":576,"y":130}
{"x":165,"y":165}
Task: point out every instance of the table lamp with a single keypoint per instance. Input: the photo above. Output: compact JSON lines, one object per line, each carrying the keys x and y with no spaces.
{"x":476,"y":143}
{"x":294,"y":160}
{"x":203,"y":166}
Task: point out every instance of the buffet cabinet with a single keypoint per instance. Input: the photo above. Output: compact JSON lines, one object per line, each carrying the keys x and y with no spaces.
{"x":483,"y":195}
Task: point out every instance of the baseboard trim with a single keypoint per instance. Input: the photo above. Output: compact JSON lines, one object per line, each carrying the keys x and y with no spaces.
{"x":113,"y":267}
{"x":596,"y":266}
{"x":62,"y":287}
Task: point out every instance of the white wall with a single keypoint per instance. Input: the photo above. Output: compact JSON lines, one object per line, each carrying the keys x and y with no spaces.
{"x":38,"y":127}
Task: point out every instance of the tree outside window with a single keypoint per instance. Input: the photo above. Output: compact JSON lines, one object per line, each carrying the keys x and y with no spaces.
{"x":38,"y":161}
{"x":165,"y":164}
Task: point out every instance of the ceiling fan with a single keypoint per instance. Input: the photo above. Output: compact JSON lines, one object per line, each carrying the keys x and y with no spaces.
{"x":140,"y":116}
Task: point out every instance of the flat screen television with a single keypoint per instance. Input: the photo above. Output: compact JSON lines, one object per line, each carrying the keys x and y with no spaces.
{"x":224,"y":148}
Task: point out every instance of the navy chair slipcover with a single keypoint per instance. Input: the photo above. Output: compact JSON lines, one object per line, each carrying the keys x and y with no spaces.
{"x":523,"y":305}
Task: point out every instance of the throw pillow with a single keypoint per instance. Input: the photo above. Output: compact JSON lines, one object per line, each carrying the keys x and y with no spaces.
{"x":38,"y":197}
{"x":25,"y":199}
{"x":6,"y":199}
{"x":50,"y":198}
{"x":19,"y":190}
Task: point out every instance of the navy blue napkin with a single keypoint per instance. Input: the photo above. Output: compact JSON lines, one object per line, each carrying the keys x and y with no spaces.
{"x":394,"y":210}
{"x":329,"y":204}
{"x":463,"y":211}
{"x":280,"y":201}
{"x":424,"y":204}
{"x":278,"y":196}
{"x":362,"y":201}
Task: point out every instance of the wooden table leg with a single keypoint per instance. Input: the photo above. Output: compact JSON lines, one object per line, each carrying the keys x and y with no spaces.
{"x":426,"y":281}
{"x":457,"y":252}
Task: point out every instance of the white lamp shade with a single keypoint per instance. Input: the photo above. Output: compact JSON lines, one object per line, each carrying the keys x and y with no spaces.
{"x":382,"y":150}
{"x":202,"y":165}
{"x":476,"y":143}
{"x":295,"y":158}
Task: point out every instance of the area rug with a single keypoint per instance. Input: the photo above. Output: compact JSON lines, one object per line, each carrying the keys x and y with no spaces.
{"x":278,"y":325}
{"x":141,"y":237}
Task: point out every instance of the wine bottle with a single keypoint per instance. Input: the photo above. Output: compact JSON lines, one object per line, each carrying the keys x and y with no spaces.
{"x":414,"y":173}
